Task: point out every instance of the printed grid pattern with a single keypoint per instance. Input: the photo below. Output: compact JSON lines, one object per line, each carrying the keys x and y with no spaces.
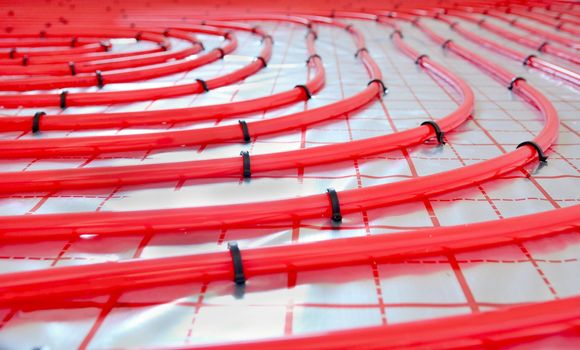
{"x":341,"y":298}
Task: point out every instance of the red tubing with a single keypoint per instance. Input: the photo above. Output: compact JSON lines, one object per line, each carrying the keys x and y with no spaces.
{"x":103,"y":144}
{"x":252,"y":214}
{"x":539,"y":45}
{"x":505,"y":327}
{"x":531,"y":61}
{"x":83,"y":99}
{"x":177,"y":115}
{"x":44,"y":286}
{"x":65,"y":179}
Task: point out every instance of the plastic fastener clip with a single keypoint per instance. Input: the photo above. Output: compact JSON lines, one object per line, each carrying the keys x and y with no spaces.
{"x":245,"y":130}
{"x":334,"y":205}
{"x":306,"y":91}
{"x":203,"y":84}
{"x":438,"y":133}
{"x":541,"y":156}
{"x":36,"y":122}
{"x":247,"y":169}
{"x":236,"y":254}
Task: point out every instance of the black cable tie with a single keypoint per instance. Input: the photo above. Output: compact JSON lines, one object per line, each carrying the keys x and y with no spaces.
{"x":73,"y":41}
{"x":255,"y":29}
{"x":397,"y":32}
{"x":306,"y":91}
{"x":221,"y":51}
{"x":348,"y":27}
{"x":543,"y":46}
{"x":334,"y":204}
{"x":42,"y":34}
{"x":239,"y":277}
{"x":25,"y":60}
{"x":100,"y":82}
{"x":420,"y":58}
{"x":247,"y":173}
{"x":63,"y":99}
{"x":268,"y":37}
{"x":245,"y":130}
{"x":228,"y":34}
{"x":138,"y":36}
{"x":12,"y":53}
{"x":36,"y":122}
{"x":446,"y":43}
{"x":203,"y":84}
{"x":73,"y":68}
{"x":166,"y":32}
{"x":527,"y":59}
{"x":263,"y":60}
{"x":513,"y":82}
{"x":106,"y":46}
{"x":383,"y":86}
{"x":164,"y":46}
{"x":359,"y":51}
{"x":513,"y":21}
{"x":311,"y":57}
{"x":541,"y":156}
{"x":453,"y":25}
{"x":313,"y":32}
{"x":438,"y":133}
{"x":481,"y":21}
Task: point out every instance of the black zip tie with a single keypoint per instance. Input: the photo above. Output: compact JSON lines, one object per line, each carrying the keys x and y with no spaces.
{"x":255,"y":29}
{"x":73,"y":41}
{"x":268,"y":37}
{"x":25,"y":60}
{"x":164,"y":46}
{"x":359,"y":51}
{"x":138,"y":36}
{"x":203,"y":84}
{"x":541,"y":156}
{"x":334,"y":204}
{"x":420,"y":58}
{"x":311,"y":57}
{"x":513,"y":82}
{"x":166,"y":32}
{"x":541,"y":47}
{"x":73,"y":69}
{"x":36,"y":122}
{"x":513,"y":21}
{"x":106,"y":46}
{"x":385,"y":89}
{"x":306,"y":91}
{"x":42,"y":34}
{"x":247,"y":173}
{"x":245,"y":130}
{"x":263,"y":60}
{"x":397,"y":32}
{"x":221,"y":51}
{"x":438,"y":133}
{"x":228,"y":34}
{"x":446,"y":43}
{"x":348,"y":27}
{"x":63,"y":99}
{"x":416,"y":21}
{"x":12,"y":53}
{"x":313,"y":32}
{"x":481,"y":21}
{"x":100,"y":82}
{"x":453,"y":25}
{"x":239,"y":277}
{"x":527,"y":59}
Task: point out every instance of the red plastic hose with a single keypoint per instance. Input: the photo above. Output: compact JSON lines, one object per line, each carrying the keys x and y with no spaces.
{"x":252,"y":214}
{"x":66,"y":179}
